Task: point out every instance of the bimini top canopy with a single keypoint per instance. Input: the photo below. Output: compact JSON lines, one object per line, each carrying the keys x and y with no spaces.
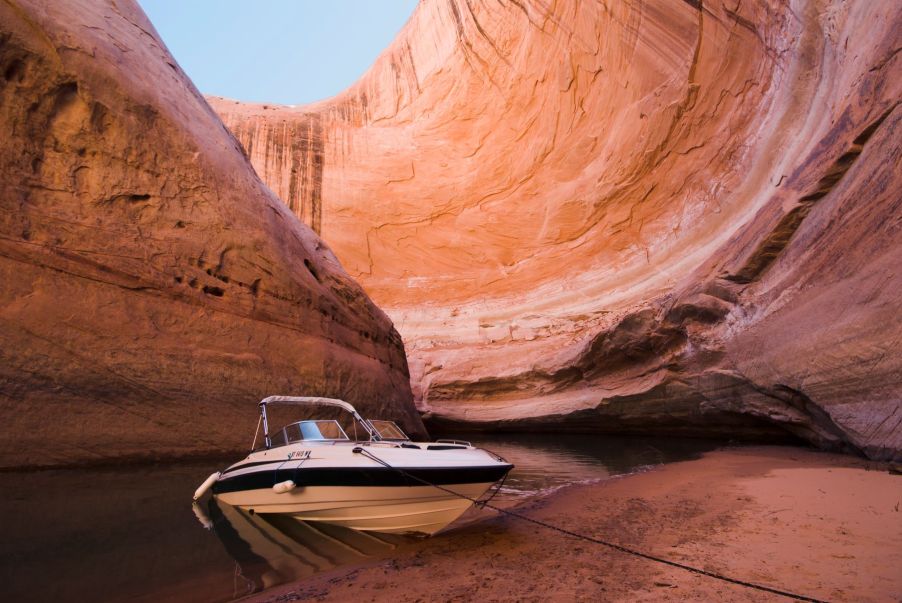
{"x":300,"y":400}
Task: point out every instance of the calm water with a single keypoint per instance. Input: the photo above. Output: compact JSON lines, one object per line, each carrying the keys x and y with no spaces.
{"x":116,"y":535}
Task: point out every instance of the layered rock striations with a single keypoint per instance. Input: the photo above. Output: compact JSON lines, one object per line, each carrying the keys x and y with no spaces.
{"x":671,"y":217}
{"x":153,"y":289}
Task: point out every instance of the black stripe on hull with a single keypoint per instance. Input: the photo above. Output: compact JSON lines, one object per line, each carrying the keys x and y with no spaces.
{"x":362,"y":477}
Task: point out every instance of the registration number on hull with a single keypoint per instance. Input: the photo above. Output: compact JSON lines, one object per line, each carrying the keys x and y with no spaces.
{"x":297,"y":455}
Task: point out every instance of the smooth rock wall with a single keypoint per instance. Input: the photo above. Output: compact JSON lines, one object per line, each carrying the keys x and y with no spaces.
{"x":153,"y":289}
{"x":653,"y":217}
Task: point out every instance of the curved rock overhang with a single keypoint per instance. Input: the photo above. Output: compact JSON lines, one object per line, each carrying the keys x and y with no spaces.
{"x":677,"y":216}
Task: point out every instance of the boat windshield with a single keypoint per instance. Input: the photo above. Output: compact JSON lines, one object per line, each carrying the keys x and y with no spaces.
{"x":388,"y":430}
{"x":307,"y":431}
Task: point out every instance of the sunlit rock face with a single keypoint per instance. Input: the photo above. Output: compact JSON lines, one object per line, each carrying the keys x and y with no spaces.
{"x":153,"y":289}
{"x":660,"y":217}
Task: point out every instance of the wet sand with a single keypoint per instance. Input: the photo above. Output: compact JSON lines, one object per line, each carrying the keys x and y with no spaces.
{"x":822,"y":525}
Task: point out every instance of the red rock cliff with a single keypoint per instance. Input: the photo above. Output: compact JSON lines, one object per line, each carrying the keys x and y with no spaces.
{"x":153,"y":289}
{"x":674,"y":216}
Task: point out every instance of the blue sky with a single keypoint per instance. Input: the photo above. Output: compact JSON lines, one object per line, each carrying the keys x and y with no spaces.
{"x":280,"y":51}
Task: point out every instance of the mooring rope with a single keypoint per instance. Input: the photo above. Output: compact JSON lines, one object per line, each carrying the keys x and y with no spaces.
{"x":595,"y":540}
{"x":483,"y":503}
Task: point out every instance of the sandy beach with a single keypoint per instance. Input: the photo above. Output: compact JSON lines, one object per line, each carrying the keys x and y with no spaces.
{"x":822,"y":525}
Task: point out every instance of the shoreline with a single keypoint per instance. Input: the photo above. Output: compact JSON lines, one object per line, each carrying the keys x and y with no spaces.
{"x":818,"y":524}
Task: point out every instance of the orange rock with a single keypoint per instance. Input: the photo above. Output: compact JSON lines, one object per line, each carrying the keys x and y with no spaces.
{"x":625,"y":216}
{"x":153,"y":290}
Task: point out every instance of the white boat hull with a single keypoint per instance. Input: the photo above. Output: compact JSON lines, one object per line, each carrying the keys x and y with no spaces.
{"x":377,"y":487}
{"x":312,"y":471}
{"x":398,"y":509}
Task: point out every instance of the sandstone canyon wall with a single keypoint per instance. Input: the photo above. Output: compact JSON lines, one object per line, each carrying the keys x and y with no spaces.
{"x":153,"y":289}
{"x":670,"y":216}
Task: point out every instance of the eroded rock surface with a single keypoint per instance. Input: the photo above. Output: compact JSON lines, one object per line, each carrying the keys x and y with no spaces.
{"x":153,"y":289}
{"x":674,"y":216}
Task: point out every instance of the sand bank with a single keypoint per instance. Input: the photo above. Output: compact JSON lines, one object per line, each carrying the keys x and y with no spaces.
{"x":823,"y":525}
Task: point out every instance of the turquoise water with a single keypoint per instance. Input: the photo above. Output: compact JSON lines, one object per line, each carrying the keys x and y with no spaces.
{"x":132,"y":534}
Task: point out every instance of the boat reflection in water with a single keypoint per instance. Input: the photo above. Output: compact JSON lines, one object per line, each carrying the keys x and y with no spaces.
{"x":274,"y":549}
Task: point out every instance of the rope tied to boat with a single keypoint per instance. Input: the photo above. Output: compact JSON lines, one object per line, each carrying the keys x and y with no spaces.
{"x":483,"y":503}
{"x":593,"y":539}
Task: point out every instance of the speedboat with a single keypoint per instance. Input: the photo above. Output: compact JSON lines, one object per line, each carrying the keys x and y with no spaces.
{"x":312,"y":471}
